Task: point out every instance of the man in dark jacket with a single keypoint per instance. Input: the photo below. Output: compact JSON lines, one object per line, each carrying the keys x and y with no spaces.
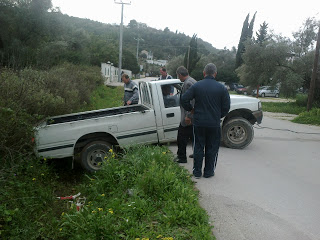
{"x":212,"y":102}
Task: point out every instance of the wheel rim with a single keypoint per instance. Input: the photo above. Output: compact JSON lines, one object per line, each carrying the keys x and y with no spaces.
{"x":95,"y":158}
{"x":237,"y":134}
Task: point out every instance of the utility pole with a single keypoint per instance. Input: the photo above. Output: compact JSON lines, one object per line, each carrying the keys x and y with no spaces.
{"x":120,"y":41}
{"x":138,"y":40}
{"x":188,"y":57}
{"x":314,"y":73}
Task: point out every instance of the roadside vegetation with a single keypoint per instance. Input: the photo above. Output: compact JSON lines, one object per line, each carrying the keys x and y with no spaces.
{"x":297,"y":107}
{"x":139,"y":194}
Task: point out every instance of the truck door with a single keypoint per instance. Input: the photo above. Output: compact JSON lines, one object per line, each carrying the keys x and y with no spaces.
{"x":170,"y":110}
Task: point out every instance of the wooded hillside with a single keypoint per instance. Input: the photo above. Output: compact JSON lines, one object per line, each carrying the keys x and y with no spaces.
{"x":34,"y":34}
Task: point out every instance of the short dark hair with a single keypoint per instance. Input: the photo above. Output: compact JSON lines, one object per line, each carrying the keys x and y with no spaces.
{"x":210,"y":69}
{"x":125,"y":75}
{"x":163,"y":69}
{"x":182,"y":71}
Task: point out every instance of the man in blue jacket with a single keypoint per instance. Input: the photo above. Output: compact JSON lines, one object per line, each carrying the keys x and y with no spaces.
{"x":212,"y":102}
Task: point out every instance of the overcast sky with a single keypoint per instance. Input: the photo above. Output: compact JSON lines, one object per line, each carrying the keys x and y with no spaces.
{"x":217,"y":22}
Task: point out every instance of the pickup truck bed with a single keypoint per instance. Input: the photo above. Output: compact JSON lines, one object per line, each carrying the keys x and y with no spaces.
{"x":95,"y":114}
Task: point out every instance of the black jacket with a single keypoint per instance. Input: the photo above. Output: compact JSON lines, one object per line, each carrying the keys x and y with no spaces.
{"x":212,"y":102}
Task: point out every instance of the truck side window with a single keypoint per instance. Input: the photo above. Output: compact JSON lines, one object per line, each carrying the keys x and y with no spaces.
{"x":170,"y":96}
{"x":145,"y":99}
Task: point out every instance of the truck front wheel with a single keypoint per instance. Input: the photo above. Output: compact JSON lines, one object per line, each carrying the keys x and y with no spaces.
{"x":94,"y":154}
{"x":237,"y":133}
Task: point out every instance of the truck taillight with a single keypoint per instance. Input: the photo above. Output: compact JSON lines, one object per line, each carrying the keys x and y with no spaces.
{"x":32,"y":140}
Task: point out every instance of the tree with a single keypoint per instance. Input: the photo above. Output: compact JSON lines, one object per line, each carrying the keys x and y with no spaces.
{"x":130,"y":62}
{"x":303,"y":44}
{"x":191,"y":56}
{"x":269,"y":64}
{"x":262,"y":34}
{"x":305,"y":37}
{"x":246,"y":33}
{"x":174,"y":63}
{"x":250,"y":29}
{"x":133,"y":24}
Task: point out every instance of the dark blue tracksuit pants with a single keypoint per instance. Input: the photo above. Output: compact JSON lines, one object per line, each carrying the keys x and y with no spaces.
{"x":206,"y":144}
{"x":184,"y":135}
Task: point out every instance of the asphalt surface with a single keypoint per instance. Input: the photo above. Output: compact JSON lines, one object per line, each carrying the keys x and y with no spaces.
{"x":269,"y":190}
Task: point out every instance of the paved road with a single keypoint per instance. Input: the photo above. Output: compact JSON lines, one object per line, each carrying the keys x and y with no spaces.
{"x":270,"y":190}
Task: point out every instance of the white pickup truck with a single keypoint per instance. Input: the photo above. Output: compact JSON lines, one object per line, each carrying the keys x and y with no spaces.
{"x":90,"y":135}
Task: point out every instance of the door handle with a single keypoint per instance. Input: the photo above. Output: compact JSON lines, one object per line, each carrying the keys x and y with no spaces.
{"x":169,"y":115}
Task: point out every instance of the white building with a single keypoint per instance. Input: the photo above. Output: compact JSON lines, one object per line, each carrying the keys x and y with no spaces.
{"x":110,"y":72}
{"x":158,"y":62}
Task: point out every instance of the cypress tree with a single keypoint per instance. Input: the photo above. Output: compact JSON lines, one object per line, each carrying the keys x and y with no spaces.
{"x":262,"y":34}
{"x":247,"y":31}
{"x":191,"y":57}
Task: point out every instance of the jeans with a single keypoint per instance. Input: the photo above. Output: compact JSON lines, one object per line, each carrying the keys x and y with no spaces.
{"x":206,"y":144}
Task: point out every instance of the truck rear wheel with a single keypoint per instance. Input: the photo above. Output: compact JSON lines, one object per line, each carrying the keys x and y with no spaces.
{"x":94,"y":154}
{"x":237,"y":133}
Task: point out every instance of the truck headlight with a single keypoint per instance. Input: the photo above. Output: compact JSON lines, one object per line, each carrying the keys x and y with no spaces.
{"x":259,"y":105}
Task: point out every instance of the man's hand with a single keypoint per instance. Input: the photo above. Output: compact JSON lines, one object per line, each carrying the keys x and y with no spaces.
{"x":187,"y":121}
{"x":129,"y":102}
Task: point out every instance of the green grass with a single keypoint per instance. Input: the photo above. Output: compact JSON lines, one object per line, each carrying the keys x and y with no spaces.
{"x":311,"y":117}
{"x":27,"y":205}
{"x":106,"y":97}
{"x":140,"y":194}
{"x":282,"y":107}
{"x":144,"y":194}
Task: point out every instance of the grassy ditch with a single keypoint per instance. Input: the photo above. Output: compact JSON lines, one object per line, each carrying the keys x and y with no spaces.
{"x":141,"y":194}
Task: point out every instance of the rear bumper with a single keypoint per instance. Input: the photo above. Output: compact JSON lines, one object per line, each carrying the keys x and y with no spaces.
{"x":258,"y":115}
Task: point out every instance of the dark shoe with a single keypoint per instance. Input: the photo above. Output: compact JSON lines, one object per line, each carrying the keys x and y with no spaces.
{"x":191,"y":155}
{"x":180,"y":160}
{"x":197,"y":176}
{"x":208,"y":176}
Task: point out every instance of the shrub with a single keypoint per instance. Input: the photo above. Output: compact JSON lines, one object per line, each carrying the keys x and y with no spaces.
{"x":16,"y":134}
{"x":29,"y":95}
{"x":302,"y":100}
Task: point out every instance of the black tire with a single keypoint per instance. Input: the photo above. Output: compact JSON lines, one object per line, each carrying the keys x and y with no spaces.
{"x":93,"y":155}
{"x":237,"y":133}
{"x":263,"y":95}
